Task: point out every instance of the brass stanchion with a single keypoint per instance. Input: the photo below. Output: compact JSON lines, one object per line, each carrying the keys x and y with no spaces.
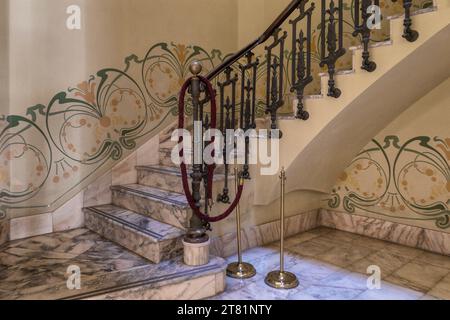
{"x":239,"y":269}
{"x":281,"y":279}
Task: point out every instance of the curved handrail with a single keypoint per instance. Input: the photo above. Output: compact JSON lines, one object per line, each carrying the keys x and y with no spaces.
{"x":266,"y":35}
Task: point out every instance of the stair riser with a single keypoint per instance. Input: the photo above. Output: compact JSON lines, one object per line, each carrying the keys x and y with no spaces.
{"x":165,"y":158}
{"x":133,"y":240}
{"x":174,"y":183}
{"x":160,"y":180}
{"x":166,"y":161}
{"x":164,"y":212}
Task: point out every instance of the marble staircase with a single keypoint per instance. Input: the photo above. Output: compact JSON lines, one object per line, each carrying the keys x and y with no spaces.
{"x":314,"y":152}
{"x":150,"y":218}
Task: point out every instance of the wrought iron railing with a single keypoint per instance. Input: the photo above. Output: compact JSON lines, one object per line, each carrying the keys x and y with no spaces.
{"x":236,"y":83}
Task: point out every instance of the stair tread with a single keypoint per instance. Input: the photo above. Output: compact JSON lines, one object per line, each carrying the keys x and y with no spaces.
{"x":155,"y":194}
{"x":414,"y":13}
{"x":155,"y":229}
{"x":175,"y":171}
{"x":372,"y":45}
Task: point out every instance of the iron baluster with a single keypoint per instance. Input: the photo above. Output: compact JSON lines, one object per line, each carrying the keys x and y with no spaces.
{"x":361,"y":15}
{"x":408,"y":33}
{"x":301,"y":59}
{"x":274,"y":88}
{"x":248,"y":103}
{"x":227,"y":121}
{"x":331,"y":42}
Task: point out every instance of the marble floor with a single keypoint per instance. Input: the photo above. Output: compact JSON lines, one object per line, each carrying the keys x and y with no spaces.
{"x":331,"y":264}
{"x":37,"y":268}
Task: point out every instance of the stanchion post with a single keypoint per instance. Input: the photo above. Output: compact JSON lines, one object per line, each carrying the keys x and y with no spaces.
{"x":239,"y":269}
{"x":281,"y":279}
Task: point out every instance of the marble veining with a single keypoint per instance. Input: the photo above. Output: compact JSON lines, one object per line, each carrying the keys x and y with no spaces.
{"x":165,"y":157}
{"x":411,"y":236}
{"x":146,"y":225}
{"x":259,"y":235}
{"x":4,"y":230}
{"x":169,"y":178}
{"x":332,"y":265}
{"x":192,"y":289}
{"x":35,"y":268}
{"x":166,"y":178}
{"x":164,"y":206}
{"x":168,"y":197}
{"x":147,"y":237}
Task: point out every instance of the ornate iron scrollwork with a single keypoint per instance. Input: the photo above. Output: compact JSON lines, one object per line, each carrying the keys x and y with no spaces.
{"x":227,"y":121}
{"x":275,"y":77}
{"x":331,"y":41}
{"x":408,"y":33}
{"x":361,"y":27}
{"x":248,"y":103}
{"x":301,"y":58}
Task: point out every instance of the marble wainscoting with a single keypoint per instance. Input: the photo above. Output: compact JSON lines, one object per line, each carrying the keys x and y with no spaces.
{"x":255,"y":236}
{"x":193,"y":289}
{"x":4,"y":230}
{"x":69,"y":216}
{"x":37,"y":268}
{"x":426,"y":239}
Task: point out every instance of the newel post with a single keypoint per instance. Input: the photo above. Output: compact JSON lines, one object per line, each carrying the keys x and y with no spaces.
{"x":196,"y":241}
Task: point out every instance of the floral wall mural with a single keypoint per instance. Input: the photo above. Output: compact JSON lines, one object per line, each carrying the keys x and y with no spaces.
{"x":52,"y":150}
{"x":408,"y":180}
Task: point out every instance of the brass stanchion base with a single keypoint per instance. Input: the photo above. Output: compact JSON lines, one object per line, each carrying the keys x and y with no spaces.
{"x":281,"y":280}
{"x":241,"y":270}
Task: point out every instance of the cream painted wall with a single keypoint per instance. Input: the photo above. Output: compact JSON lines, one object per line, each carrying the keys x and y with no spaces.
{"x":4,"y":98}
{"x":47,"y":58}
{"x":422,"y":173}
{"x":4,"y":57}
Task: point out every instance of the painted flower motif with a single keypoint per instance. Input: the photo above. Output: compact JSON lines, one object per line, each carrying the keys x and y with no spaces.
{"x":92,"y":126}
{"x":86,"y":91}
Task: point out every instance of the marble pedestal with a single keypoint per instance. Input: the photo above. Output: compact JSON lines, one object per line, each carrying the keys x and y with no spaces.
{"x":196,"y":254}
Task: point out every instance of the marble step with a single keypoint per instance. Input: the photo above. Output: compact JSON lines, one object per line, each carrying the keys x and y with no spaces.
{"x":165,"y":206}
{"x":165,"y":152}
{"x":108,"y":271}
{"x":147,"y":237}
{"x":162,"y":177}
{"x":165,"y":157}
{"x":166,"y":178}
{"x":166,"y":161}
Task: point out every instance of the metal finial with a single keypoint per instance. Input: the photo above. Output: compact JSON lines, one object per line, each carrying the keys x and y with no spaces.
{"x":195,"y":68}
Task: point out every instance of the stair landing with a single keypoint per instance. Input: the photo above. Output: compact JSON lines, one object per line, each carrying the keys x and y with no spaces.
{"x":35,"y":268}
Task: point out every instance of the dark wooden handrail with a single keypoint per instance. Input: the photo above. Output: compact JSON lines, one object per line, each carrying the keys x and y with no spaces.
{"x":266,"y":35}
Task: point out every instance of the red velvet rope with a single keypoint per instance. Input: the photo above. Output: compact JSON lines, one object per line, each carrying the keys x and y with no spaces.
{"x":211,"y":168}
